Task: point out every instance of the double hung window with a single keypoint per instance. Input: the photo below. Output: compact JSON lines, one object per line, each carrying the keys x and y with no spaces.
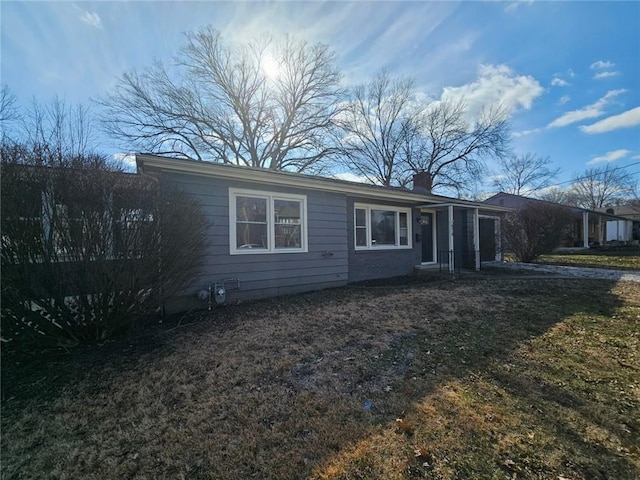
{"x":264,"y":222}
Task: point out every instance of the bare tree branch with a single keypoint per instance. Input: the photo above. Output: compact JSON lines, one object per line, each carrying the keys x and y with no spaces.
{"x":220,"y":104}
{"x":452,"y":150}
{"x":377,"y":123}
{"x":524,"y":174}
{"x":602,"y":187}
{"x":390,"y":135}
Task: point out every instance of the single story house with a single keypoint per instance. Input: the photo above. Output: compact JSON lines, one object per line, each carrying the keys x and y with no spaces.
{"x":587,"y":227}
{"x":275,"y":232}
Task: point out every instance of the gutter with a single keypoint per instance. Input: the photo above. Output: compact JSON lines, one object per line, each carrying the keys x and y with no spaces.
{"x":289,"y":179}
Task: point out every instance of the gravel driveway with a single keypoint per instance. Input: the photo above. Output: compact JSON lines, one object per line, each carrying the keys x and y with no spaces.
{"x":601,"y":273}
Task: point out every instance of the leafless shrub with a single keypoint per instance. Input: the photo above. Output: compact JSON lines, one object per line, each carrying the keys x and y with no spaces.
{"x":85,"y":250}
{"x":535,"y":229}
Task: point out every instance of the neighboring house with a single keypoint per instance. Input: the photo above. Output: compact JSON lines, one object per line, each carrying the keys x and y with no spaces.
{"x":281,"y":233}
{"x":627,"y":229}
{"x":587,"y":227}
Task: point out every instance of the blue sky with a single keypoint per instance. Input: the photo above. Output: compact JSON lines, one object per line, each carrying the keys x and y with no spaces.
{"x":569,"y":72}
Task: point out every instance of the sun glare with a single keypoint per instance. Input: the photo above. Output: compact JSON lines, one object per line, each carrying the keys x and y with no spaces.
{"x":270,"y":67}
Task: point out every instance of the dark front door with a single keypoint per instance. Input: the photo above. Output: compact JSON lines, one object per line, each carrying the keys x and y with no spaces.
{"x":427,"y":237}
{"x":487,"y":240}
{"x":462,"y":253}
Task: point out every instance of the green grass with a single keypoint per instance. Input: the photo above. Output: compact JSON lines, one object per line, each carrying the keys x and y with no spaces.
{"x":614,"y":260}
{"x":492,"y":378}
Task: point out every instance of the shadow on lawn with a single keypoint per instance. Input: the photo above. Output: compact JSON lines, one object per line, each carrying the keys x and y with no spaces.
{"x":310,"y":386}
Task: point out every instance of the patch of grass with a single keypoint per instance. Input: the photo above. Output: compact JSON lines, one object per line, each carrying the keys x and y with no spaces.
{"x":491,"y":377}
{"x":604,"y":259}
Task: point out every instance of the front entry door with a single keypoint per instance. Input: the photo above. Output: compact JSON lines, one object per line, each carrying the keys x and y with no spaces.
{"x":487,"y":239}
{"x":427,"y":237}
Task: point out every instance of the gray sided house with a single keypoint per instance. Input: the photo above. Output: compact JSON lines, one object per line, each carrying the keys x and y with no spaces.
{"x":280,"y":233}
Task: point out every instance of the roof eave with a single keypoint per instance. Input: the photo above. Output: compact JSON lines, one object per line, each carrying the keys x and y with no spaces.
{"x":288,"y":179}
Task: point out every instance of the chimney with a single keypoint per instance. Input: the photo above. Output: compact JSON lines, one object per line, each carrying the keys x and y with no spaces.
{"x":422,"y":182}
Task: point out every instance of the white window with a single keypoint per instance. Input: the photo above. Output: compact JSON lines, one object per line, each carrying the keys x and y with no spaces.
{"x":379,"y":227}
{"x":265,"y":222}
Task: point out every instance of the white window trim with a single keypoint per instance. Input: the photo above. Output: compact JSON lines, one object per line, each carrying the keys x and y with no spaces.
{"x":368,"y":207}
{"x":270,"y":197}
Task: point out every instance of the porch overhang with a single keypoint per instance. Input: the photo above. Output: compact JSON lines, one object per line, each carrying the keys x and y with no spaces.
{"x":470,"y":206}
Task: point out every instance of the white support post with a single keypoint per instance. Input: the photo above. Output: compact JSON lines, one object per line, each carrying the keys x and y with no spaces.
{"x":498,"y":236}
{"x":585,"y":229}
{"x":451,"y":252}
{"x":476,"y":237}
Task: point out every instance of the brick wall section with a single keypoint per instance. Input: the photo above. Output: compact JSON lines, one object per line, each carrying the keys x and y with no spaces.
{"x":374,"y":264}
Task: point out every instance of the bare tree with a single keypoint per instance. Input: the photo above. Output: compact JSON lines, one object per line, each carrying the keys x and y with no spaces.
{"x":524,"y":174}
{"x":377,"y":123}
{"x":8,"y":109}
{"x":9,"y":114}
{"x":267,"y":103}
{"x":602,"y":187}
{"x":451,"y":149}
{"x":59,"y":131}
{"x":554,"y":194}
{"x":392,"y":134}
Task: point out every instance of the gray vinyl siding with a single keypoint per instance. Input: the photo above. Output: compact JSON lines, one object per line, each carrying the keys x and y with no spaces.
{"x":375,"y":264}
{"x":269,"y":274}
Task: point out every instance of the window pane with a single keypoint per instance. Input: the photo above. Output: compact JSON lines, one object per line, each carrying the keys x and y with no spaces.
{"x":251,"y":209}
{"x":361,"y":217}
{"x":287,"y":223}
{"x":404,"y":230}
{"x":288,"y":236}
{"x":286,"y":211}
{"x":361,"y":237}
{"x":251,"y":235}
{"x":383,"y":227}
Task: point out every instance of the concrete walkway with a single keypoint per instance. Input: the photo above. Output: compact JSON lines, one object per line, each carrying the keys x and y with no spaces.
{"x":600,"y":273}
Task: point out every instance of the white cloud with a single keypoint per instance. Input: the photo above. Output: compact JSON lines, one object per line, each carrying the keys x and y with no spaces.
{"x":627,"y":119}
{"x":558,"y":82}
{"x":609,"y":156}
{"x":600,"y":64}
{"x":524,"y":133}
{"x":635,"y":157}
{"x":564,"y":99}
{"x":590,"y":111}
{"x":496,"y":85}
{"x":92,"y":19}
{"x":601,"y":75}
{"x":513,"y":6}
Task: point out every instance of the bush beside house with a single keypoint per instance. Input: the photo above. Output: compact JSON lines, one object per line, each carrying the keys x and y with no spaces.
{"x":86,"y":251}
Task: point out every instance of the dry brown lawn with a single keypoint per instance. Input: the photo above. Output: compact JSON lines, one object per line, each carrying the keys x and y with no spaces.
{"x":492,"y":377}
